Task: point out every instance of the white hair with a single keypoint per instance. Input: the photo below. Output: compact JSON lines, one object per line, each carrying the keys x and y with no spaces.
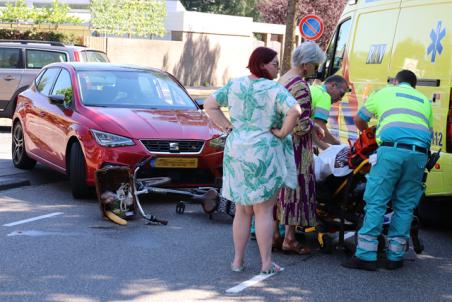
{"x":308,"y":52}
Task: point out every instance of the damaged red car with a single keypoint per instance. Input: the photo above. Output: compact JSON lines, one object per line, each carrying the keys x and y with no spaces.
{"x":79,"y":117}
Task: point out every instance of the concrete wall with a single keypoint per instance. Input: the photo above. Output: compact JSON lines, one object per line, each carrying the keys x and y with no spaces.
{"x":198,"y":60}
{"x":200,"y":49}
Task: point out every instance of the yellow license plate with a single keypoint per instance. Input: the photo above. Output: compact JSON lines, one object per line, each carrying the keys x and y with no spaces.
{"x":176,"y":162}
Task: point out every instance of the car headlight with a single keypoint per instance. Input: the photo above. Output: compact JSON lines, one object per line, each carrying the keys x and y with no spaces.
{"x":111,"y":140}
{"x":218,"y":142}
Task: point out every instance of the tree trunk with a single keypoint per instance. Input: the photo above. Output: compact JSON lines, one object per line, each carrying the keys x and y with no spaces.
{"x":289,"y":37}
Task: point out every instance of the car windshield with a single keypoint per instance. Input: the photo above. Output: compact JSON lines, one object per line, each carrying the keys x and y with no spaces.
{"x":132,"y":89}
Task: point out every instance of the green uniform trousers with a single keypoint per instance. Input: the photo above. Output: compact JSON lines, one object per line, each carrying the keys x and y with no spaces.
{"x":396,"y":177}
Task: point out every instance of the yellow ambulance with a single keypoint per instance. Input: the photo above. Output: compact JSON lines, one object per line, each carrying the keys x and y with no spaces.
{"x":375,"y":39}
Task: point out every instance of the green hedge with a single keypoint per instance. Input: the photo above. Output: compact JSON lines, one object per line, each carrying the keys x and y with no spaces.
{"x":13,"y":34}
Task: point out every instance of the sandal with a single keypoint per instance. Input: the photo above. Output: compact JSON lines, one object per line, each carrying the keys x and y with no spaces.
{"x":274,"y":269}
{"x":295,"y":247}
{"x":237,"y":269}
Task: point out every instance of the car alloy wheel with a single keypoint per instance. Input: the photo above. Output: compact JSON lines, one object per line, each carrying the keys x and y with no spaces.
{"x":19,"y":154}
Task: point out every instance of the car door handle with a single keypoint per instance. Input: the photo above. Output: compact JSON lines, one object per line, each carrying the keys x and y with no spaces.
{"x":9,"y":78}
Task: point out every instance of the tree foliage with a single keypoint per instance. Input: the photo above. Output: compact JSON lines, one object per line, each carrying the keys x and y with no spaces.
{"x":142,"y":18}
{"x":57,"y":14}
{"x":275,"y":11}
{"x":230,"y":7}
{"x":16,"y":12}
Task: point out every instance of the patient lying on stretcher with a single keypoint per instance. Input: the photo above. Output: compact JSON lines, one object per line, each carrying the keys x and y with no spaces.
{"x":332,"y":161}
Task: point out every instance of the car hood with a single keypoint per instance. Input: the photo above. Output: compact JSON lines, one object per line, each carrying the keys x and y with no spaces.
{"x":153,"y":124}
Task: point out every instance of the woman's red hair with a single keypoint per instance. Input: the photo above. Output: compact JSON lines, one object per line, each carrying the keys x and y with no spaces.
{"x":259,"y":57}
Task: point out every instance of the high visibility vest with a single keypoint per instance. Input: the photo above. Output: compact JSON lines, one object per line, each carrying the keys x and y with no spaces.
{"x":404,"y":115}
{"x":321,"y":102}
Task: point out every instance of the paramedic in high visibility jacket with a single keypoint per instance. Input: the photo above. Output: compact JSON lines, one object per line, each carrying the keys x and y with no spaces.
{"x":404,"y":132}
{"x":323,"y":96}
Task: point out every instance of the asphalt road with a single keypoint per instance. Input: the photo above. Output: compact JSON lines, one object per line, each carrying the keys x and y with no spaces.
{"x":75,"y":255}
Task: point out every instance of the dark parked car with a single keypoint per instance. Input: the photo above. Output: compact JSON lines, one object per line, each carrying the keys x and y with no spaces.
{"x":79,"y":117}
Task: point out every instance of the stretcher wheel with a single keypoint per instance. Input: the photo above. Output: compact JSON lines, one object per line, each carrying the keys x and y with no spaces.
{"x":418,"y":248}
{"x":326,"y":243}
{"x":381,"y":244}
{"x":180,"y":207}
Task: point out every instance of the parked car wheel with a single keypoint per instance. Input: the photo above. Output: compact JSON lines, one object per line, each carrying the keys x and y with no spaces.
{"x":19,"y":154}
{"x":77,"y":172}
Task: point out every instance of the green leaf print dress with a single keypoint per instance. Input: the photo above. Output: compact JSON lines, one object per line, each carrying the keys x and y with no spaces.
{"x":256,"y":163}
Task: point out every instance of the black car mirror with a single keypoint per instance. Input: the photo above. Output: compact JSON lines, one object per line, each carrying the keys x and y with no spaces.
{"x":200,"y":103}
{"x":57,"y":99}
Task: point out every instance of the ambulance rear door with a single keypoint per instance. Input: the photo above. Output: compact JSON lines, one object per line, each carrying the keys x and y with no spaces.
{"x":423,"y":44}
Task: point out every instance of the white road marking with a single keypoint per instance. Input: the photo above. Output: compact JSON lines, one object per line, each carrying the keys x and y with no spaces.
{"x":35,"y":233}
{"x":32,"y":219}
{"x":251,"y":282}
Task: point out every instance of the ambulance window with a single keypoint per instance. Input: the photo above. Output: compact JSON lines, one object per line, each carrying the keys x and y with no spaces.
{"x":336,"y":50}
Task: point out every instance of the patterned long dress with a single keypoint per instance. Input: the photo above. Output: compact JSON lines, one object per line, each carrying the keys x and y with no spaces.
{"x":256,"y":164}
{"x":297,"y":207}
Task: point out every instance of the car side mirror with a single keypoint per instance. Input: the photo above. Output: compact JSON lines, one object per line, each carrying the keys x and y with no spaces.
{"x":57,"y":99}
{"x":200,"y":103}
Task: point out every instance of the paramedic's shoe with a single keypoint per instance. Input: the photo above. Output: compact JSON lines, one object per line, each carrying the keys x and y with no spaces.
{"x":357,"y":263}
{"x":393,"y":265}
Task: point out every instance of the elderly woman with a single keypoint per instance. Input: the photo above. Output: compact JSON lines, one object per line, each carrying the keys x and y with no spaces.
{"x":258,"y":156}
{"x":297,"y":207}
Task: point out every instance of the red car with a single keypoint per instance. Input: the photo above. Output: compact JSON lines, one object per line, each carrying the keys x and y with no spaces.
{"x":79,"y":117}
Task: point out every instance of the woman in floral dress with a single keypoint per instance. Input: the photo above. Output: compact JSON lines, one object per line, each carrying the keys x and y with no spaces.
{"x":298,"y":207}
{"x":258,"y":155}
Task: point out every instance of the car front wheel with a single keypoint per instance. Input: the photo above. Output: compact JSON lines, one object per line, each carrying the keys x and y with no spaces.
{"x":77,"y":172}
{"x":19,"y":154}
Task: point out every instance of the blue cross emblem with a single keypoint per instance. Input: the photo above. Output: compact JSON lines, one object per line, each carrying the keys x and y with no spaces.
{"x":436,"y":35}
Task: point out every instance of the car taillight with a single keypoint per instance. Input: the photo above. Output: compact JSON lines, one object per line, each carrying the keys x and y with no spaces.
{"x":449,"y":126}
{"x":77,"y":56}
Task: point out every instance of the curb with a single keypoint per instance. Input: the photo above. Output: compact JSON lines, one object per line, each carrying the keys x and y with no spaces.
{"x":11,"y":183}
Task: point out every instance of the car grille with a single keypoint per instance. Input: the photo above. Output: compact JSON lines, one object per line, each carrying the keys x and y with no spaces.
{"x":164,"y":146}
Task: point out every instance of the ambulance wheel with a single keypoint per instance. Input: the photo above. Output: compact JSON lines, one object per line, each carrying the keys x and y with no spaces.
{"x":434,"y":211}
{"x":180,"y":207}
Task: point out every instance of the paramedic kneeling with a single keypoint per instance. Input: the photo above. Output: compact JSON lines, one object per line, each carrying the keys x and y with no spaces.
{"x":323,"y":97}
{"x":404,"y":130}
